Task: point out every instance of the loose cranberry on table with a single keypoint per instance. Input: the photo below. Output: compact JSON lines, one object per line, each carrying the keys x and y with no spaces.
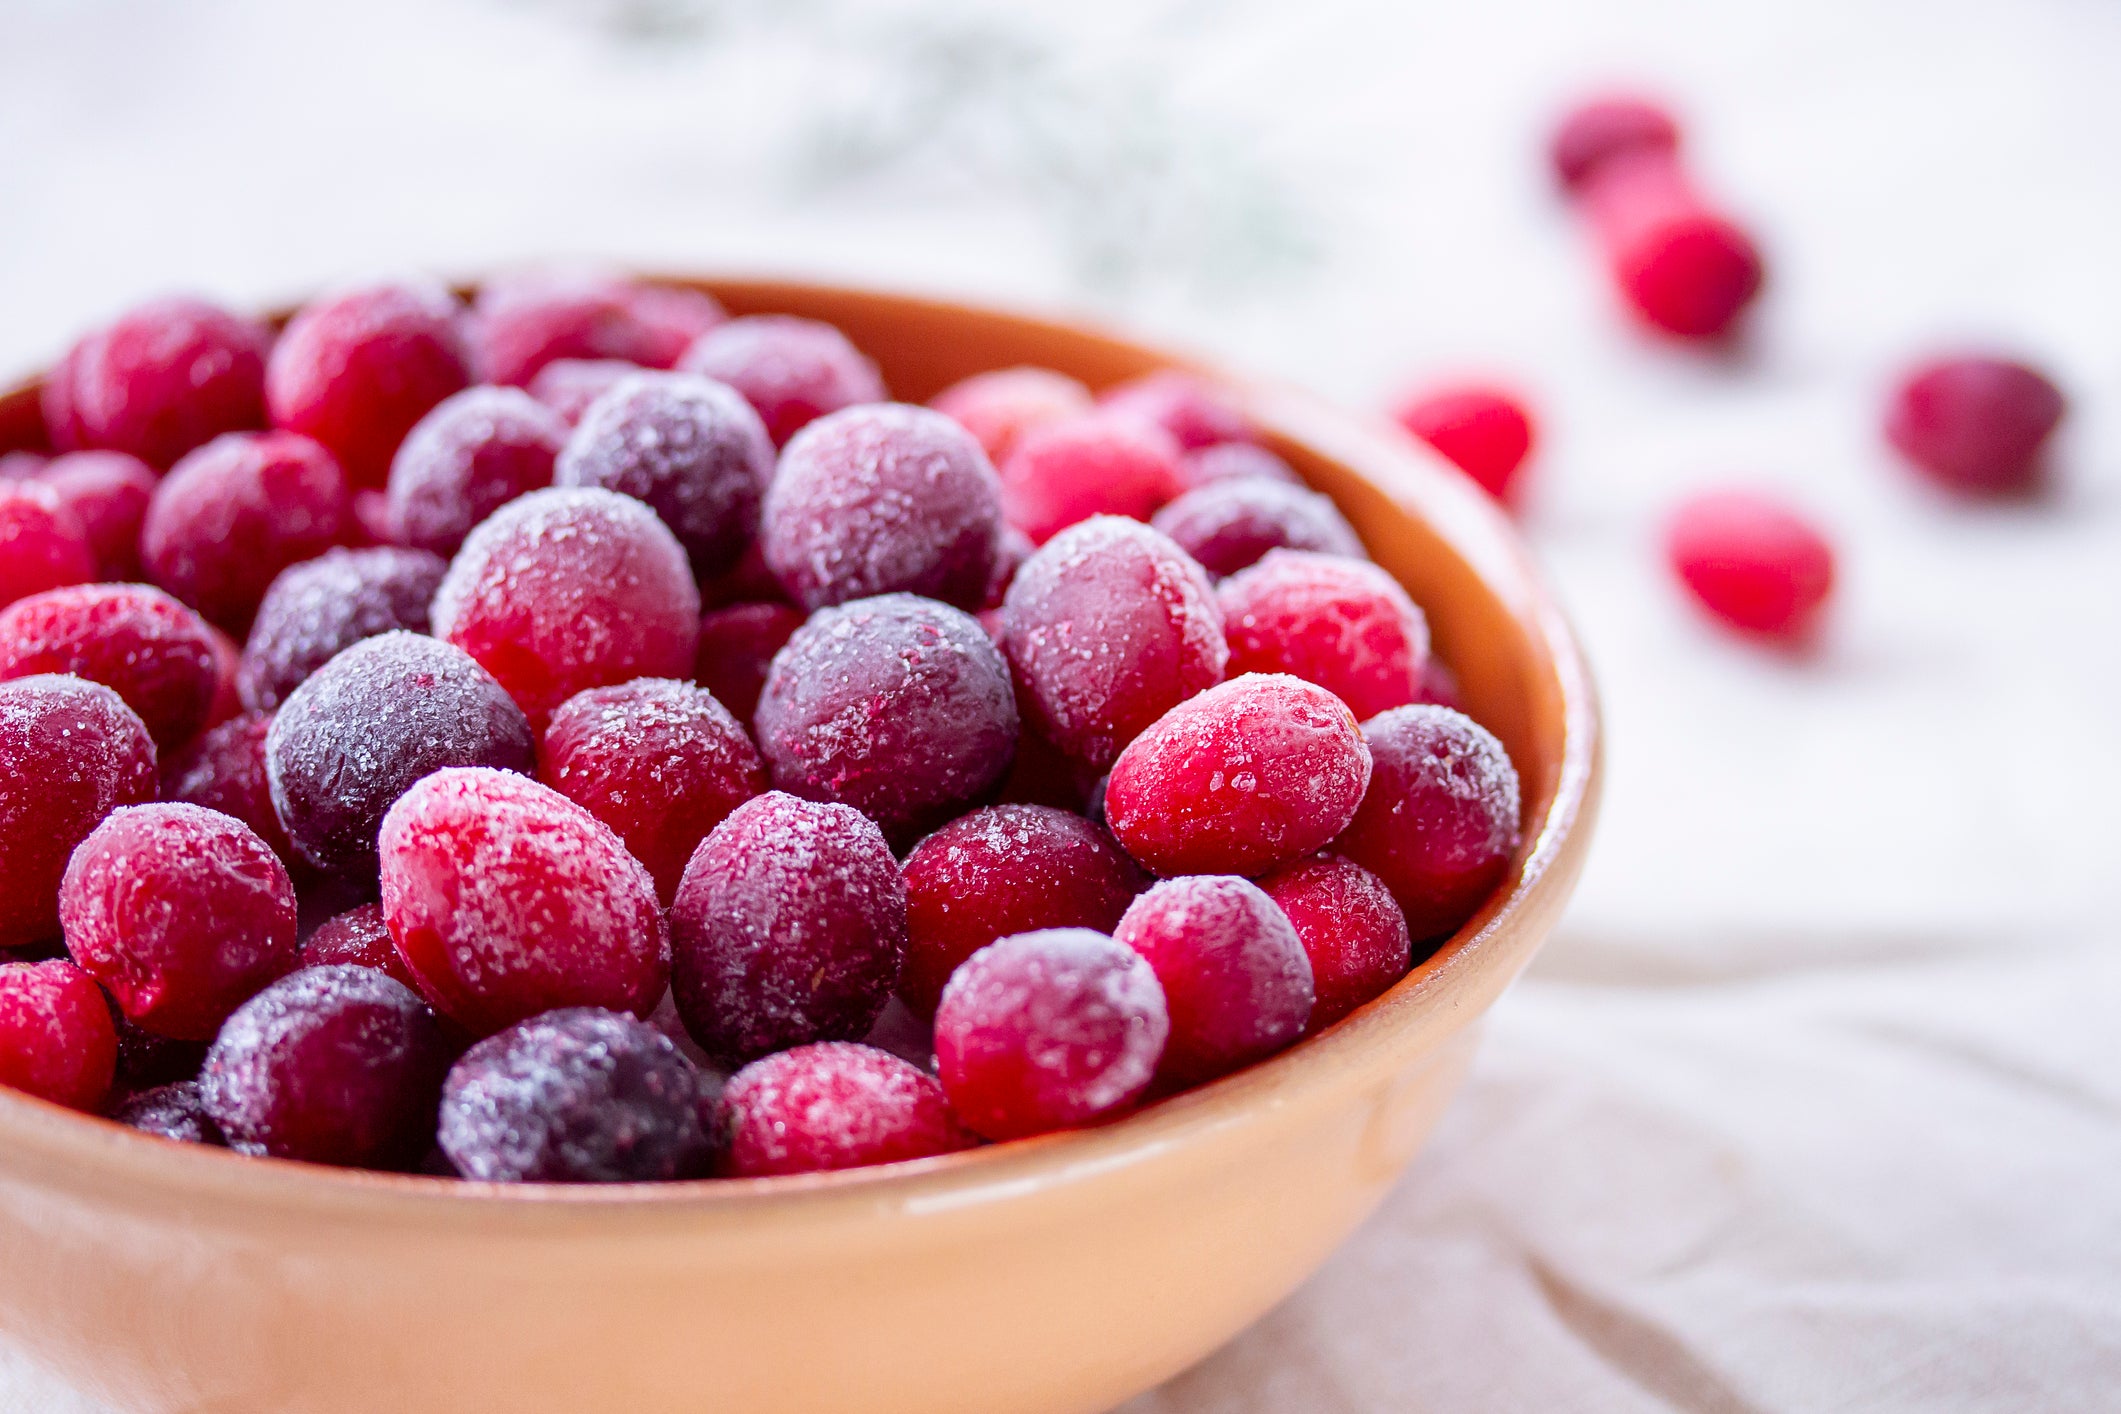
{"x":1485,"y":432}
{"x":43,"y":545}
{"x":1094,"y":464}
{"x":316,"y":610}
{"x":1687,"y":269}
{"x":144,"y":645}
{"x":1595,"y":132}
{"x":1341,"y":623}
{"x":1237,"y":461}
{"x":472,"y":455}
{"x":167,"y":376}
{"x":792,"y":370}
{"x":528,"y":319}
{"x":1049,"y":1030}
{"x":174,"y":1111}
{"x":1351,"y":927}
{"x":1000,"y":407}
{"x":223,"y":768}
{"x":1976,"y":424}
{"x":1755,"y":563}
{"x":56,"y":1037}
{"x":736,"y":649}
{"x":569,"y":385}
{"x":1227,"y":525}
{"x":833,"y":1105}
{"x":108,"y":492}
{"x":1194,"y":411}
{"x":358,"y":936}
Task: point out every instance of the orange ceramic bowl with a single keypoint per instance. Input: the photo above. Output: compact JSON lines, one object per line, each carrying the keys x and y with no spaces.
{"x":1046,"y":1276}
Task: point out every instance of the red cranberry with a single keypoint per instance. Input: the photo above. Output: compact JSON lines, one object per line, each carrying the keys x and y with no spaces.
{"x":472,"y":455}
{"x":183,"y":913}
{"x":1686,"y":269}
{"x":1000,"y":407}
{"x":1011,"y":548}
{"x":56,"y":1038}
{"x":1109,"y":626}
{"x":151,"y":650}
{"x":108,"y":493}
{"x":175,"y":1111}
{"x":1439,"y":824}
{"x":671,"y":319}
{"x":1753,"y":562}
{"x":662,"y":763}
{"x":569,"y":385}
{"x":228,"y":667}
{"x":1196,"y":412}
{"x":1096,"y":464}
{"x":1976,"y":424}
{"x":1351,"y":927}
{"x":792,"y":370}
{"x":523,"y":321}
{"x":565,"y":590}
{"x":1049,"y":1030}
{"x":1440,"y":685}
{"x":235,"y":513}
{"x":833,"y":1105}
{"x":373,"y":521}
{"x":168,"y":376}
{"x":1484,"y":432}
{"x":223,"y":769}
{"x":1343,"y":624}
{"x":358,"y":936}
{"x":42,"y":543}
{"x":321,"y":607}
{"x":1237,"y":461}
{"x":1228,"y":525}
{"x":737,"y":645}
{"x":22,"y":466}
{"x":1042,"y":774}
{"x":1592,"y":133}
{"x":788,"y":928}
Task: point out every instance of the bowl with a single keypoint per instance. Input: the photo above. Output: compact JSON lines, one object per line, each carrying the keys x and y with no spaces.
{"x":1055,"y":1275}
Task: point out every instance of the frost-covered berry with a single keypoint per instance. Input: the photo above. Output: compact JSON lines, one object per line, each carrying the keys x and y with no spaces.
{"x":1191,"y":409}
{"x":1754,"y":562}
{"x":568,"y":386}
{"x":736,"y":651}
{"x":137,"y":641}
{"x":1228,"y":525}
{"x":223,"y":768}
{"x":1237,"y":461}
{"x":43,"y":545}
{"x":832,"y":1105}
{"x":792,"y":370}
{"x":1975,"y":424}
{"x":1000,"y":407}
{"x":56,"y":1037}
{"x":527,"y":319}
{"x":1352,"y":931}
{"x":1485,"y":432}
{"x":472,"y":455}
{"x":1094,"y":464}
{"x":108,"y":492}
{"x":165,"y":377}
{"x":316,"y":610}
{"x":174,"y":1111}
{"x":358,"y":936}
{"x":1343,"y":624}
{"x":1596,"y":131}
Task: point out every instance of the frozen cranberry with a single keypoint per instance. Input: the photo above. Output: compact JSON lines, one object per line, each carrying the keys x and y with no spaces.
{"x":569,"y":385}
{"x":56,"y":1038}
{"x":789,"y":927}
{"x":880,"y":499}
{"x":355,"y":371}
{"x":223,"y":768}
{"x":523,"y":321}
{"x":1194,"y":411}
{"x":1485,"y":433}
{"x":750,"y":581}
{"x":146,"y":1059}
{"x":998,"y":408}
{"x":1343,"y":624}
{"x":1440,"y":685}
{"x":1686,"y":269}
{"x":899,"y":1032}
{"x":1095,"y":464}
{"x":376,"y":718}
{"x":321,"y":607}
{"x":1227,"y":525}
{"x":168,"y":376}
{"x":1249,"y":775}
{"x":1237,"y":461}
{"x":228,"y":667}
{"x":173,"y":1111}
{"x":1352,"y":931}
{"x":508,"y":899}
{"x":1042,"y":774}
{"x":671,"y":318}
{"x":1011,"y":548}
{"x":22,"y":466}
{"x":331,"y":1065}
{"x":1439,"y":823}
{"x":358,"y":936}
{"x":1594,"y":132}
{"x":1049,"y":1030}
{"x":108,"y":493}
{"x":235,"y":513}
{"x":1109,"y":626}
{"x":472,"y":455}
{"x":737,"y":645}
{"x":151,"y":650}
{"x":1976,"y":424}
{"x":575,"y":1096}
{"x":569,"y":589}
{"x":374,"y":523}
{"x":662,"y":763}
{"x":71,"y":752}
{"x":792,"y":370}
{"x":689,"y":447}
{"x":1753,"y":562}
{"x":182,"y":912}
{"x":43,"y":545}
{"x":833,"y":1105}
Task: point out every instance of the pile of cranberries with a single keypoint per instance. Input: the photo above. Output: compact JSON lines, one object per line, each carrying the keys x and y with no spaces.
{"x":585,"y":737}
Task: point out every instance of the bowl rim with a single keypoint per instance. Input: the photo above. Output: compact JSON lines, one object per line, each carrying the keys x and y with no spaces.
{"x":1482,"y":957}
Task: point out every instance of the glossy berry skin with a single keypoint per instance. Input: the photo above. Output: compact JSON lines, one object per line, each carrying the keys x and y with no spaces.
{"x":793,"y":371}
{"x":1194,"y":411}
{"x":1237,"y":461}
{"x":71,"y":752}
{"x":108,"y":493}
{"x":318,"y":609}
{"x":660,"y":762}
{"x":832,"y":1105}
{"x":1974,"y":424}
{"x":355,"y":371}
{"x":736,"y":650}
{"x":168,"y":376}
{"x":1096,"y":464}
{"x":144,"y":645}
{"x":1047,"y":1031}
{"x":523,"y":321}
{"x":1686,"y":269}
{"x":788,"y":927}
{"x":1440,"y":822}
{"x":1595,"y":132}
{"x":1753,"y":562}
{"x":233,"y":514}
{"x":568,"y":386}
{"x":56,"y":1037}
{"x":1343,"y":624}
{"x":1107,"y":627}
{"x":565,"y":590}
{"x":223,"y":768}
{"x":472,"y":455}
{"x":359,"y":937}
{"x":43,"y":545}
{"x":883,"y":499}
{"x":182,"y":913}
{"x":1351,"y":928}
{"x":176,"y":1111}
{"x":580,"y":1095}
{"x":999,"y":407}
{"x":898,"y":706}
{"x":1485,"y":432}
{"x":332,"y":1065}
{"x":1228,"y":525}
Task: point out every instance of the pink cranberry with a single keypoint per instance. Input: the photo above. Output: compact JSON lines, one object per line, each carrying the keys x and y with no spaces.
{"x":1194,"y":411}
{"x":833,"y":1105}
{"x":737,"y":645}
{"x":168,"y":376}
{"x":569,"y":385}
{"x":789,"y":927}
{"x":1095,"y":464}
{"x":1597,"y":131}
{"x":1976,"y":424}
{"x":1109,"y":626}
{"x":151,"y":650}
{"x":56,"y":1038}
{"x":1000,"y":407}
{"x":358,"y":936}
{"x":507,"y":899}
{"x":183,"y":913}
{"x":22,"y":466}
{"x":43,"y":545}
{"x":108,"y":493}
{"x":524,"y":321}
{"x":1237,"y":461}
{"x":1049,"y":1030}
{"x":223,"y":769}
{"x":1685,"y":268}
{"x":1439,"y":824}
{"x":1011,"y":548}
{"x":662,"y":763}
{"x":1351,"y":927}
{"x":671,"y":319}
{"x":374,"y":523}
{"x":175,"y":1111}
{"x":1753,"y":562}
{"x":792,"y":370}
{"x":1004,"y":870}
{"x":1343,"y":624}
{"x":472,"y":455}
{"x":1484,"y":432}
{"x":321,"y":607}
{"x":1440,"y":685}
{"x":1227,"y":525}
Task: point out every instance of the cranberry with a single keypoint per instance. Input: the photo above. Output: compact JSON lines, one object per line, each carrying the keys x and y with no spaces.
{"x":56,"y":1038}
{"x":1440,"y":685}
{"x":1095,"y":464}
{"x":1193,"y":410}
{"x":174,"y":1111}
{"x":108,"y":493}
{"x":671,"y":319}
{"x":1439,"y":824}
{"x":321,"y":607}
{"x":1484,"y":432}
{"x":1753,"y":562}
{"x":70,"y":753}
{"x":569,"y":385}
{"x":151,"y":650}
{"x":737,"y":645}
{"x":1042,"y":774}
{"x":472,"y":455}
{"x":1343,"y":624}
{"x":374,"y":523}
{"x":1227,"y":525}
{"x":168,"y":376}
{"x":880,"y":499}
{"x":1237,"y":461}
{"x":182,"y":912}
{"x":358,"y":936}
{"x":788,"y":928}
{"x":662,"y":763}
{"x":223,"y":769}
{"x":575,"y":1096}
{"x":228,"y":667}
{"x":833,"y":1105}
{"x":1011,"y":548}
{"x":1352,"y":931}
{"x":1685,"y":268}
{"x":1594,"y":132}
{"x":565,"y":590}
{"x":1109,"y":626}
{"x":792,"y":370}
{"x":146,"y":1059}
{"x":1049,"y":1030}
{"x":1976,"y":424}
{"x":508,"y":899}
{"x":236,"y":512}
{"x":42,"y":543}
{"x":524,"y":321}
{"x":369,"y":723}
{"x":1000,"y":407}
{"x":22,"y":466}
{"x":750,"y":581}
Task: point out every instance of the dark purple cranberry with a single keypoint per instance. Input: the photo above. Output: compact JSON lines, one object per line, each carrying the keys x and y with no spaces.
{"x":174,"y":1111}
{"x":319,"y":608}
{"x":1227,"y":525}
